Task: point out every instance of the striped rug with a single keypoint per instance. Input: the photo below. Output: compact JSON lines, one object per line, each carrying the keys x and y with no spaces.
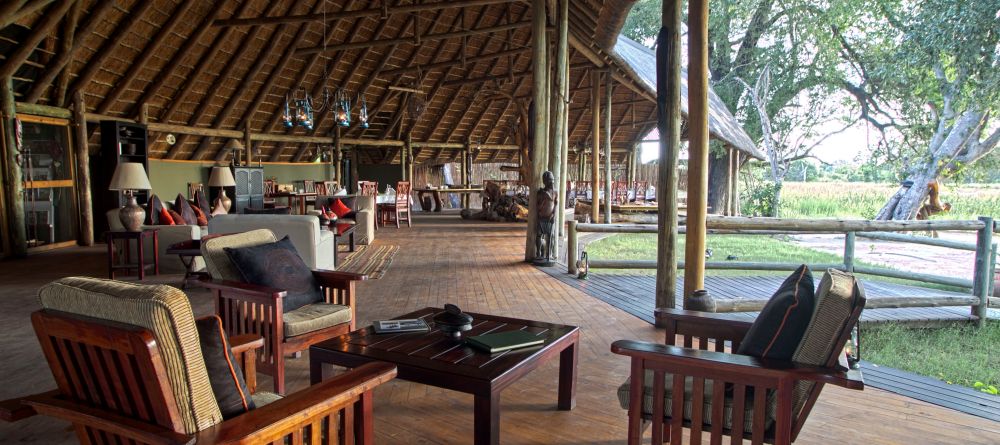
{"x":368,"y":260}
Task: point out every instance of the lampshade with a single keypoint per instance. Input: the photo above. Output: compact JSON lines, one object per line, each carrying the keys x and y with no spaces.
{"x":130,"y":176}
{"x":221,"y":177}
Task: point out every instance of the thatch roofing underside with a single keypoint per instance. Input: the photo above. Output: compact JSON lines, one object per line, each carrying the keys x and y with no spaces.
{"x":193,"y":63}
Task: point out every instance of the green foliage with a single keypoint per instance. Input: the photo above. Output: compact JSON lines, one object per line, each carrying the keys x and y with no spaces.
{"x":863,"y":200}
{"x":960,"y":354}
{"x":760,"y":201}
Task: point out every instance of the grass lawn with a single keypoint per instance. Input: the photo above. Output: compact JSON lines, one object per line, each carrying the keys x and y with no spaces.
{"x":960,"y":354}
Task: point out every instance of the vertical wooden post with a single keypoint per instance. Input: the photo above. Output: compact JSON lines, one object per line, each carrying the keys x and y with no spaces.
{"x":572,"y":248}
{"x":355,"y":158}
{"x":13,"y":186}
{"x":595,"y":172}
{"x":83,"y":170}
{"x":608,"y":89}
{"x":540,"y":142}
{"x":402,"y":159}
{"x":409,"y":160}
{"x":849,"y":241}
{"x":734,"y":185}
{"x":668,"y":122}
{"x":728,"y":195}
{"x":559,"y":147}
{"x":694,"y":255}
{"x":984,"y":269}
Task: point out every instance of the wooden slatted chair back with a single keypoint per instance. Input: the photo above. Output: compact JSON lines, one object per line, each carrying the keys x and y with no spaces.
{"x":582,"y":187}
{"x":640,"y":191}
{"x":403,"y":194}
{"x":368,"y":188}
{"x":111,"y":366}
{"x":619,"y":192}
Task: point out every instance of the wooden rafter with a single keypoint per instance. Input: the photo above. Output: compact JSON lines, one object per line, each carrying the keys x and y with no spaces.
{"x":439,"y":65}
{"x":13,"y":11}
{"x":123,"y":29}
{"x":227,"y":71}
{"x":39,"y":32}
{"x":411,"y":40}
{"x":153,"y":48}
{"x":361,"y":13}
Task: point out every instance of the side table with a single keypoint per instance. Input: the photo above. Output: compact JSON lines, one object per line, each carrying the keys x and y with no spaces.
{"x":140,"y":264}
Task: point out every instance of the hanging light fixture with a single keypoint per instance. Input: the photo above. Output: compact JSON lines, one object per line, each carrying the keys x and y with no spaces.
{"x":363,"y":112}
{"x":286,"y":117}
{"x":342,"y":108}
{"x":304,"y":112}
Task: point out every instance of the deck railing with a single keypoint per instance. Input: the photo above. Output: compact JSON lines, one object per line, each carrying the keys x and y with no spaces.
{"x":980,"y":286}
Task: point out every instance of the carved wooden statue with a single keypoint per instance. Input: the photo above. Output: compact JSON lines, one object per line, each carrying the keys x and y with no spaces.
{"x":547,"y":205}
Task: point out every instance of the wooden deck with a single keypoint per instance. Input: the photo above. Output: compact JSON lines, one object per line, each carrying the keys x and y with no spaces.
{"x":635,"y":294}
{"x":478,"y":266}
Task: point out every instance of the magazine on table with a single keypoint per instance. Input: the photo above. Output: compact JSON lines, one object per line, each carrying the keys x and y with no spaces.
{"x":397,"y":326}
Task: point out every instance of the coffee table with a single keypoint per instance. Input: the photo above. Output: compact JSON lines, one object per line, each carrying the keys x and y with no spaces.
{"x":432,"y":359}
{"x":342,"y":231}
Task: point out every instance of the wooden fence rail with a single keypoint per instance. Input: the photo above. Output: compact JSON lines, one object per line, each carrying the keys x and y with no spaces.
{"x":980,"y":286}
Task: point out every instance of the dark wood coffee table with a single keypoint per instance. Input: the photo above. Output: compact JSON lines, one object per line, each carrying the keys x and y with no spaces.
{"x":432,"y":359}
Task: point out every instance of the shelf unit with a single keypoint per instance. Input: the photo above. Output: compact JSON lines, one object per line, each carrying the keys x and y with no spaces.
{"x":120,"y":142}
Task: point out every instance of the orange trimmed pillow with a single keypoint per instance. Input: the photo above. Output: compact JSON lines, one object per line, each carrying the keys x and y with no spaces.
{"x":338,"y":207}
{"x":165,"y":218}
{"x":200,"y":216}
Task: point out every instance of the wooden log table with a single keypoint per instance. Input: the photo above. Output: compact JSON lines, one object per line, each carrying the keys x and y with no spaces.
{"x":431,"y":358}
{"x":437,"y":203}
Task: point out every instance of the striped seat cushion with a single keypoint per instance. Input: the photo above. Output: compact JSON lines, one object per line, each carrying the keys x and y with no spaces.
{"x":166,"y":312}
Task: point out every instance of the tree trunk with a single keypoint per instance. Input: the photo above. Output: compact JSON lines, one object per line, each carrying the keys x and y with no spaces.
{"x":718,"y":180}
{"x":776,"y":204}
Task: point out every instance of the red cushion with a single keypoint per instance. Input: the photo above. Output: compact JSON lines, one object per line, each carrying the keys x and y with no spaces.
{"x":178,"y":219}
{"x":339,"y":208}
{"x":202,"y":219}
{"x":165,"y":218}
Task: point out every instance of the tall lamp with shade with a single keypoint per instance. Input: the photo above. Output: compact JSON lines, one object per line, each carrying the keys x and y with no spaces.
{"x":129,"y":177}
{"x":222,"y":177}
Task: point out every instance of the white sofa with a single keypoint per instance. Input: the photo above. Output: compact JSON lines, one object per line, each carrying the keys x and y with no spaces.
{"x":165,"y":237}
{"x":364,"y":209}
{"x":315,"y":246}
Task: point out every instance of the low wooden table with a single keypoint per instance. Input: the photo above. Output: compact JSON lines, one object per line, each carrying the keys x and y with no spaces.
{"x":188,"y":251}
{"x":437,"y":203}
{"x":342,"y":231}
{"x":432,"y":359}
{"x":139,"y":265}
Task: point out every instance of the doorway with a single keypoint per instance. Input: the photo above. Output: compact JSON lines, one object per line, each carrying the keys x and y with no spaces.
{"x":48,"y":176}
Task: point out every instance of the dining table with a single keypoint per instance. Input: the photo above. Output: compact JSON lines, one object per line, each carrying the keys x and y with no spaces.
{"x":300,"y":197}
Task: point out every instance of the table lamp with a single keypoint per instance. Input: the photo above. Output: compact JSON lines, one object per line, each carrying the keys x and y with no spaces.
{"x":222,"y":177}
{"x":129,"y":177}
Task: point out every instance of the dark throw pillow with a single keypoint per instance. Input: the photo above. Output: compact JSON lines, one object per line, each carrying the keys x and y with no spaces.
{"x":177,"y":218}
{"x":278,"y":265}
{"x":224,"y":372}
{"x":155,"y":208}
{"x":182,"y":207}
{"x":777,"y":331}
{"x":202,"y":218}
{"x":202,"y":203}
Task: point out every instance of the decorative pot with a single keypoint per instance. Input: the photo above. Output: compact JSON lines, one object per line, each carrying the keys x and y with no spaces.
{"x":132,"y":216}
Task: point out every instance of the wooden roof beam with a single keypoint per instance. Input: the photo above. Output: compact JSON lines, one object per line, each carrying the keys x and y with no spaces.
{"x":141,"y":62}
{"x":122,"y":30}
{"x":372,"y":12}
{"x":447,"y":64}
{"x":57,"y":67}
{"x":227,"y":71}
{"x":204,"y":62}
{"x":16,"y":10}
{"x":38,"y":32}
{"x":410,"y":40}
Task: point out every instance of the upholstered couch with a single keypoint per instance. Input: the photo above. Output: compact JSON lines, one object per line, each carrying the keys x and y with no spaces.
{"x":364,"y":211}
{"x":314,"y":245}
{"x":167,"y":236}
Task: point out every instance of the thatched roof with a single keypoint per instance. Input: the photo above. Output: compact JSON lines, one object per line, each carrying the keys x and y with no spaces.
{"x":721,"y":122}
{"x":229,"y":65}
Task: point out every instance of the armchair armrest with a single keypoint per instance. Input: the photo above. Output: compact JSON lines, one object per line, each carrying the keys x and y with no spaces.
{"x":332,"y":278}
{"x":247,"y":342}
{"x":694,"y":324}
{"x":245,"y":348}
{"x":244,"y":291}
{"x":290,"y":414}
{"x":734,"y":365}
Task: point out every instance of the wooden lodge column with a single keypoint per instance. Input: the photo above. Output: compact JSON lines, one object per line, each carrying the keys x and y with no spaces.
{"x":83,"y":170}
{"x":694,"y":255}
{"x":338,"y":158}
{"x":13,"y":187}
{"x":539,"y":141}
{"x":595,"y":172}
{"x":559,"y":148}
{"x":668,"y":122}
{"x":608,"y":89}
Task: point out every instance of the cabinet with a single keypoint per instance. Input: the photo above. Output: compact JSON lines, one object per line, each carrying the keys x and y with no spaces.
{"x":248,"y":192}
{"x":120,"y":142}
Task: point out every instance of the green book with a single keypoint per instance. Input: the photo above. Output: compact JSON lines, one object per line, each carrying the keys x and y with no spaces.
{"x":503,"y":341}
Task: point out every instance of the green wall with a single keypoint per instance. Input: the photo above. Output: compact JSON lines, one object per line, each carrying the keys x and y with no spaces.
{"x":170,"y":178}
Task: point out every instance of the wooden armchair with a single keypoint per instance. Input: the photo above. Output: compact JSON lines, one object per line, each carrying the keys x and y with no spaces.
{"x":765,"y":401}
{"x":252,"y":309}
{"x":127,"y":364}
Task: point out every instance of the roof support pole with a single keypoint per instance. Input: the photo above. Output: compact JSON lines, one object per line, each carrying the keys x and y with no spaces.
{"x":694,"y":255}
{"x":559,"y":148}
{"x":338,"y":159}
{"x":80,"y":141}
{"x":595,"y":172}
{"x":668,"y":122}
{"x":539,"y":140}
{"x":608,"y":89}
{"x":13,"y":186}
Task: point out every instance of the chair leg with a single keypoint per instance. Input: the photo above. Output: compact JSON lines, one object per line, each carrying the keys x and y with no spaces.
{"x":279,"y":372}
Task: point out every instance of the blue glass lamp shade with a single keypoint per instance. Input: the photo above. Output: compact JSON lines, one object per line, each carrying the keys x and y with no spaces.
{"x":304,"y":116}
{"x":286,"y":117}
{"x":342,"y":109}
{"x":363,"y":113}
